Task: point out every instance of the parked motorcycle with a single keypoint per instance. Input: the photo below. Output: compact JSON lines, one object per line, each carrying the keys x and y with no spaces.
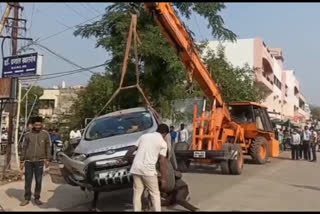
{"x":58,"y":146}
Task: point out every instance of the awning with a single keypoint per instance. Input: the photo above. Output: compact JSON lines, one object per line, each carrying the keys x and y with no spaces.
{"x":287,"y":123}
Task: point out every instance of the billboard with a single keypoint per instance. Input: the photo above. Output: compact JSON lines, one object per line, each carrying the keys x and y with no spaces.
{"x":22,"y":65}
{"x":8,"y":88}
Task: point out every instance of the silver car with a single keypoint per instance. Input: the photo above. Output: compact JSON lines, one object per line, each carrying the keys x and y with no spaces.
{"x":97,"y":163}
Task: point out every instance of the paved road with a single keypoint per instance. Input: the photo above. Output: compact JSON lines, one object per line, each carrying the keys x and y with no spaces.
{"x":282,"y":185}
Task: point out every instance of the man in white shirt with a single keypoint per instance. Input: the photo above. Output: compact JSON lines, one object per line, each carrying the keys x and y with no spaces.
{"x":150,"y":148}
{"x":183,"y":134}
{"x":306,"y":138}
{"x":295,"y":142}
{"x":75,"y":134}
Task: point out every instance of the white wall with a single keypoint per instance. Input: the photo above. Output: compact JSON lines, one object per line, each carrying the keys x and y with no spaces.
{"x":238,"y":53}
{"x":292,"y":99}
{"x":51,"y":94}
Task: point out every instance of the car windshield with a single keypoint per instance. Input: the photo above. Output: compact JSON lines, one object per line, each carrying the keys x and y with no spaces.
{"x":118,"y":125}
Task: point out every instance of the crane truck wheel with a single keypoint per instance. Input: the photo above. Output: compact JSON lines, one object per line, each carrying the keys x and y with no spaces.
{"x":259,"y":150}
{"x":236,"y":163}
{"x":225,"y":170}
{"x":183,"y":164}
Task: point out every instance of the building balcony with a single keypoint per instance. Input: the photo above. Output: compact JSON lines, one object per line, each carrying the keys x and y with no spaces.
{"x":263,"y":81}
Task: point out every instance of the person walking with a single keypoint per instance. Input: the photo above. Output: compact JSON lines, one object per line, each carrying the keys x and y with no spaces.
{"x":300,"y":145}
{"x":306,"y":137}
{"x":36,"y":153}
{"x":173,"y":135}
{"x":295,"y":142}
{"x":318,"y":141}
{"x":183,"y":134}
{"x":313,"y":144}
{"x":150,"y":148}
{"x":55,"y":136}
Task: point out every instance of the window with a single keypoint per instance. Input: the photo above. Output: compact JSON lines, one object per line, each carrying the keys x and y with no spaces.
{"x":262,"y":119}
{"x":242,"y":114}
{"x":277,"y":82}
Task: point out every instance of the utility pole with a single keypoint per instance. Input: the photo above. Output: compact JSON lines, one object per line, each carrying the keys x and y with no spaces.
{"x":12,"y":152}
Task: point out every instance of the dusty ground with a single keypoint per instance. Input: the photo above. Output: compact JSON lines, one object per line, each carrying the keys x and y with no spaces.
{"x":282,"y":185}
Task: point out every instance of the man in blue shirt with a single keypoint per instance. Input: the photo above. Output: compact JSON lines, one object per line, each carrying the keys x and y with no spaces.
{"x":173,"y":134}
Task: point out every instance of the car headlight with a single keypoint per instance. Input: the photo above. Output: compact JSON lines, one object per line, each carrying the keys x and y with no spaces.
{"x":81,"y":157}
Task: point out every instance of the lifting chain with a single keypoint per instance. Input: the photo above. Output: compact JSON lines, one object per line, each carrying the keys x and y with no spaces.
{"x":132,"y":35}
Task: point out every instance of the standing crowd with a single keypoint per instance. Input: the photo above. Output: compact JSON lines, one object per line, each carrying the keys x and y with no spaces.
{"x":303,"y":143}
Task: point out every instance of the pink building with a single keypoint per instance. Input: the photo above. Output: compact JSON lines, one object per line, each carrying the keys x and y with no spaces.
{"x":283,"y":97}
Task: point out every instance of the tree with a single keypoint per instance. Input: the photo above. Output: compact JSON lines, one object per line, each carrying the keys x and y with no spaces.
{"x":33,"y":96}
{"x":91,"y":99}
{"x":315,"y":112}
{"x":235,"y":83}
{"x":163,"y":76}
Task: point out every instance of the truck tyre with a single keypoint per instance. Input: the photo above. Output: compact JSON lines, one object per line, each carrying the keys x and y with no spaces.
{"x":259,"y":150}
{"x":183,"y":164}
{"x":171,"y":180}
{"x":236,"y":163}
{"x":225,"y":170}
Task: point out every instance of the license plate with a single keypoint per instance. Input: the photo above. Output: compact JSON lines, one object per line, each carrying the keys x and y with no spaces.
{"x":199,"y":154}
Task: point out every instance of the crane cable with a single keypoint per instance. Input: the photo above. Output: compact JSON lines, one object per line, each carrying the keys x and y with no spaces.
{"x":132,"y":33}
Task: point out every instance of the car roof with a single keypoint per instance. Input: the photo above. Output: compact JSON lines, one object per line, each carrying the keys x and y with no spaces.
{"x":124,"y":111}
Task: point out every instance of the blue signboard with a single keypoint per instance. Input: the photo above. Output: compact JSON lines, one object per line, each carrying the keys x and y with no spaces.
{"x":21,"y":65}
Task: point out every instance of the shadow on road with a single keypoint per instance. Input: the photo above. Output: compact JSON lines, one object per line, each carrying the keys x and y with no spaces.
{"x":205,"y":169}
{"x":283,"y":158}
{"x":16,"y":193}
{"x":306,"y":187}
{"x":113,"y":201}
{"x":65,"y":198}
{"x":213,"y":169}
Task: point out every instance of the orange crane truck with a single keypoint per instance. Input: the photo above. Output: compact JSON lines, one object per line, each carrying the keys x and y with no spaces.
{"x":221,"y":133}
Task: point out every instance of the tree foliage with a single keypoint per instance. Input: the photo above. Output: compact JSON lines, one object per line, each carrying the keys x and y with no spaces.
{"x":163,"y":76}
{"x":315,"y":112}
{"x":235,"y":83}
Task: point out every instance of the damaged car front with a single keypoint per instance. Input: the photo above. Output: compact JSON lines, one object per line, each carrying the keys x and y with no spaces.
{"x":97,"y":163}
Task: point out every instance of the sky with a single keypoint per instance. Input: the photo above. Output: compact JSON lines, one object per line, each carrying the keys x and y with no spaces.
{"x":291,"y":26}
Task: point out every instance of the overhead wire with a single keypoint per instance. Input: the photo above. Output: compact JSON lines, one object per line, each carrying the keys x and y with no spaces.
{"x":68,"y":28}
{"x":66,"y":73}
{"x":75,"y":11}
{"x":62,"y":57}
{"x":98,"y":12}
{"x":87,"y":8}
{"x":31,"y":19}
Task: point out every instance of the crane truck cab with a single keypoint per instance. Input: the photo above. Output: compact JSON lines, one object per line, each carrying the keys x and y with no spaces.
{"x":258,"y":130}
{"x":257,"y":139}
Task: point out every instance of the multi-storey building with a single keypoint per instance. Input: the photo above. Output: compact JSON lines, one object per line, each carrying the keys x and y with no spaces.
{"x":281,"y":87}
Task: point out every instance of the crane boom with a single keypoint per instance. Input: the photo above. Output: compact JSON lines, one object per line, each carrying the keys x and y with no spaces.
{"x":179,"y":38}
{"x":216,"y":136}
